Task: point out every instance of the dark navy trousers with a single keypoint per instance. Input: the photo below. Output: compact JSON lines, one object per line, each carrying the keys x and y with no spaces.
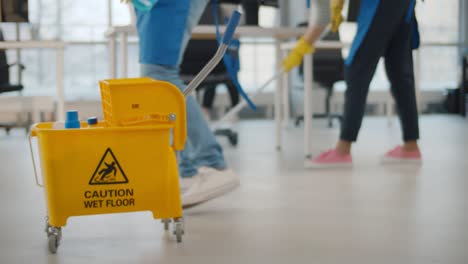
{"x":389,"y":36}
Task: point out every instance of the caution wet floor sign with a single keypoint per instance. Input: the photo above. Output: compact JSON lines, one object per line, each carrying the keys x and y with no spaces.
{"x":108,"y":171}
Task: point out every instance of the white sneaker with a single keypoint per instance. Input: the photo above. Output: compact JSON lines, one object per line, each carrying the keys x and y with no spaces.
{"x":186,"y":182}
{"x":208,"y":184}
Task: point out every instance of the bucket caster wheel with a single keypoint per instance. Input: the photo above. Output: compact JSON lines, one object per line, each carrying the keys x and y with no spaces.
{"x":166,"y":223}
{"x":53,"y":242}
{"x":179,"y":229}
{"x":54,"y":236}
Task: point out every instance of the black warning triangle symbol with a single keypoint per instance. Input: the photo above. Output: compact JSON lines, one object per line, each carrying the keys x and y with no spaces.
{"x":108,"y":171}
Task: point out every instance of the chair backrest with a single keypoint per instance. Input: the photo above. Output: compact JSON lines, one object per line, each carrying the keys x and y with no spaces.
{"x":4,"y":68}
{"x":197,"y":55}
{"x":14,"y":11}
{"x":328,"y":64}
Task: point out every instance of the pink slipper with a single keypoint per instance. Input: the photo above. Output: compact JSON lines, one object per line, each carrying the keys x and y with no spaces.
{"x":399,"y":155}
{"x":330,"y":159}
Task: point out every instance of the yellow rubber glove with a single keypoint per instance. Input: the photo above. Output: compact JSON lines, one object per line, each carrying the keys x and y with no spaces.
{"x":295,"y":57}
{"x":336,"y":8}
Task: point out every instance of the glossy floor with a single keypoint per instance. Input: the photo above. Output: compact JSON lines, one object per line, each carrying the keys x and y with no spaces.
{"x":280,"y":214}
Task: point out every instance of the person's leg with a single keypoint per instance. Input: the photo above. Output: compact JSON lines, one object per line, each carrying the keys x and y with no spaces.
{"x":205,"y":151}
{"x":359,"y":73}
{"x":358,"y":77}
{"x":399,"y":67}
{"x":203,"y":148}
{"x":233,"y":93}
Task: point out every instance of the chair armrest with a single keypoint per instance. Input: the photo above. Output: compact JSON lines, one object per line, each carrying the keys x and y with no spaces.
{"x":20,"y":65}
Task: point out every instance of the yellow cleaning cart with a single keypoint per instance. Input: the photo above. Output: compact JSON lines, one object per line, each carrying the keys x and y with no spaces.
{"x":126,"y":163}
{"x":112,"y":168}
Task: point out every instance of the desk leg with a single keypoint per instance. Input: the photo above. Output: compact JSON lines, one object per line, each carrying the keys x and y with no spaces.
{"x":109,"y":13}
{"x":124,"y":54}
{"x":18,"y":54}
{"x":417,"y":79}
{"x":60,"y":86}
{"x":308,"y":86}
{"x":112,"y":57}
{"x":285,"y":87}
{"x":278,"y":93}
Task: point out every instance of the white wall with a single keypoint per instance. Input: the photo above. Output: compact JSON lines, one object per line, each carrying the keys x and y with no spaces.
{"x":297,"y":12}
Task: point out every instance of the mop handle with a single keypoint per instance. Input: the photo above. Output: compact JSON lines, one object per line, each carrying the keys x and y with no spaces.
{"x":325,"y":32}
{"x":242,"y":104}
{"x":228,"y":34}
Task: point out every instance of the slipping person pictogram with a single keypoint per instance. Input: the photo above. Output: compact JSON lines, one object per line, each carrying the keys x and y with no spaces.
{"x":108,"y":171}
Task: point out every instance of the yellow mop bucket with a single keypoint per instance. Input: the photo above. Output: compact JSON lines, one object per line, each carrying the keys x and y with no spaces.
{"x":111,"y":168}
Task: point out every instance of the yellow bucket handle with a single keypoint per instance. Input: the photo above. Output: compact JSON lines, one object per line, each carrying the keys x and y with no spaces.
{"x":33,"y":134}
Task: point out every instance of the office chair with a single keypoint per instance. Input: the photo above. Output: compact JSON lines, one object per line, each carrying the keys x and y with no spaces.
{"x":197,"y":54}
{"x":5,"y":85}
{"x":328,"y":69}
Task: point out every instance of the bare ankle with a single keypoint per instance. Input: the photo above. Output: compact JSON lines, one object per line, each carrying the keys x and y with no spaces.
{"x":343,"y":147}
{"x":411,"y":146}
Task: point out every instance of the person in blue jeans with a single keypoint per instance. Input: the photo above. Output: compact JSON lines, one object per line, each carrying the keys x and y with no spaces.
{"x":164,"y":32}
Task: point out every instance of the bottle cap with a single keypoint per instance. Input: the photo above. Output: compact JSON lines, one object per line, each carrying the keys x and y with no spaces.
{"x":72,"y":116}
{"x":92,"y":120}
{"x":72,"y":120}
